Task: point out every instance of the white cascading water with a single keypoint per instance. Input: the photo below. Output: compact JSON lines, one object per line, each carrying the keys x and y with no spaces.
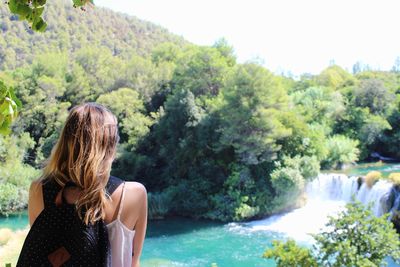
{"x":326,"y":196}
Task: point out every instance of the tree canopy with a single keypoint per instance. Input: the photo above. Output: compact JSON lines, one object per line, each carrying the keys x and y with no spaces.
{"x":209,"y":137}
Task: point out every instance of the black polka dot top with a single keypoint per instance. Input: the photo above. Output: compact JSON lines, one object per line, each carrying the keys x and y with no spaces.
{"x":58,"y":237}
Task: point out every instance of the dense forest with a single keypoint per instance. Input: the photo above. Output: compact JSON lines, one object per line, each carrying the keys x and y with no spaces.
{"x":208,"y":136}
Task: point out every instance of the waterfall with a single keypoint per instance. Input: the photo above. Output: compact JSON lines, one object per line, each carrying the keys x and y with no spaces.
{"x":332,"y":187}
{"x":339,"y":187}
{"x":394,"y":206}
{"x":377,"y":196}
{"x":327,"y":195}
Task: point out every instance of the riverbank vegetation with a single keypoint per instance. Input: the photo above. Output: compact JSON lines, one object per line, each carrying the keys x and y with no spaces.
{"x":355,"y":237}
{"x":208,"y":136}
{"x":10,"y":245}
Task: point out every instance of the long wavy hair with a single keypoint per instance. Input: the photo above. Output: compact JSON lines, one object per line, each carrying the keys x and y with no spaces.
{"x":83,"y":155}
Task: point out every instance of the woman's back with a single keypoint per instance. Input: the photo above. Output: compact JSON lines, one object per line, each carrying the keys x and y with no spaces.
{"x":59,"y":237}
{"x":120,"y":236}
{"x":126,"y":219}
{"x":80,"y":164}
{"x":125,"y":212}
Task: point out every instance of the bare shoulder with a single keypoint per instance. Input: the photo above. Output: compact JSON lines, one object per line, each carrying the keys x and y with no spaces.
{"x":36,"y":188}
{"x":135,"y":195}
{"x":136,"y":189}
{"x":35,"y":203}
{"x":135,"y":203}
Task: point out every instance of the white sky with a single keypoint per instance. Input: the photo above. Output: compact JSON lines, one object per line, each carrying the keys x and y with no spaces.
{"x":291,"y":35}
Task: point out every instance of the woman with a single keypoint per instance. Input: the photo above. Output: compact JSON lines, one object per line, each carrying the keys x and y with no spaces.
{"x":80,"y":165}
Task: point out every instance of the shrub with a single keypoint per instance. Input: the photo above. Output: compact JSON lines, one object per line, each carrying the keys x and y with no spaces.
{"x":357,"y":238}
{"x":372,"y":177}
{"x":18,"y":174}
{"x":289,"y":254}
{"x":307,"y":165}
{"x":288,"y":183}
{"x":341,"y":150}
{"x":245,"y":211}
{"x":354,"y":238}
{"x":286,"y":179}
{"x":9,"y":253}
{"x":15,"y":176}
{"x":5,"y":235}
{"x":239,"y":198}
{"x":159,"y":204}
{"x":395,"y":178}
{"x":9,"y":198}
{"x":14,"y":185}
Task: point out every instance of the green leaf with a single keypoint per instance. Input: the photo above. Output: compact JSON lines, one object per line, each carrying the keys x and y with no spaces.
{"x":39,"y":25}
{"x":37,"y":3}
{"x":13,"y":6}
{"x":14,"y":97}
{"x":9,"y":107}
{"x":23,"y":10}
{"x":10,"y":110}
{"x":3,"y":107}
{"x":38,"y":11}
{"x":30,"y":17}
{"x":2,"y":119}
{"x":5,"y":127}
{"x":78,"y":3}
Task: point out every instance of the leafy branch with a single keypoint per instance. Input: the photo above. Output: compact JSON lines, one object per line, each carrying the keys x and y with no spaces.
{"x":10,"y":105}
{"x":32,"y":11}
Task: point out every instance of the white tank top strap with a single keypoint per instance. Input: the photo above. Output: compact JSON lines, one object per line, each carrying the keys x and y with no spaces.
{"x":120,"y":238}
{"x":121,"y":202}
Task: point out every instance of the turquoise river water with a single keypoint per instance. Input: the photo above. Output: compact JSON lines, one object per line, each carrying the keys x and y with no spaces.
{"x":186,"y":242}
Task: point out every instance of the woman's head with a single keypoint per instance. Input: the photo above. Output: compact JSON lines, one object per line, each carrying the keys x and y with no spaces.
{"x":84,"y":154}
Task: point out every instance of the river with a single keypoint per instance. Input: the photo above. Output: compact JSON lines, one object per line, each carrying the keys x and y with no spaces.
{"x":185,"y":242}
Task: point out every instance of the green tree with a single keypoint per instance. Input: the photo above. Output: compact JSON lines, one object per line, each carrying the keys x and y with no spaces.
{"x":226,"y":51}
{"x":306,"y":139}
{"x":335,"y":77}
{"x":341,"y":150}
{"x":15,"y":176}
{"x":166,"y":52}
{"x":373,"y":94}
{"x":129,"y":109}
{"x":41,"y":89}
{"x":289,"y":178}
{"x":237,"y":199}
{"x":78,"y":85}
{"x":102,"y":72}
{"x":202,"y":70}
{"x":373,"y":129}
{"x":289,"y":254}
{"x":355,"y":237}
{"x":319,"y":104}
{"x":146,"y":77}
{"x":391,"y":138}
{"x":253,"y":102}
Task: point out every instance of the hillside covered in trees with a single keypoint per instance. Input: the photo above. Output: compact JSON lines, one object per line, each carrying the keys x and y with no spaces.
{"x":71,"y":29}
{"x":209,"y":137}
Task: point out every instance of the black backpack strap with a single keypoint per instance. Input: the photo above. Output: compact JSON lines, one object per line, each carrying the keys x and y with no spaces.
{"x":112,"y":184}
{"x":50,"y":189}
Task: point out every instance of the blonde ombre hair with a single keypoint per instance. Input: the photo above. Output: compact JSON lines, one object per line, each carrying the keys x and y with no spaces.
{"x":83,"y":155}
